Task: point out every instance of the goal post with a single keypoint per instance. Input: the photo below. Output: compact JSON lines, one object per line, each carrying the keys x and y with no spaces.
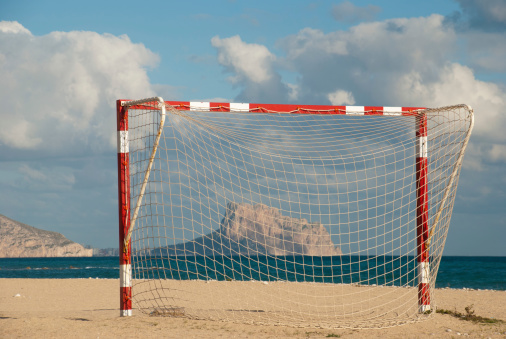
{"x":126,"y":222}
{"x":305,"y":215}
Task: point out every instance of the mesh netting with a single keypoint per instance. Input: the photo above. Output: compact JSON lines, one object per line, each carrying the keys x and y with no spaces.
{"x":304,"y":218}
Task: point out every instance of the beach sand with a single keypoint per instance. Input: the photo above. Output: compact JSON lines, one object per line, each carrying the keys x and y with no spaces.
{"x":89,"y":308}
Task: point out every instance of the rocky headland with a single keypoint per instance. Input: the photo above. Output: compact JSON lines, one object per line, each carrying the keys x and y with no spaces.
{"x":18,"y":240}
{"x":259,"y":230}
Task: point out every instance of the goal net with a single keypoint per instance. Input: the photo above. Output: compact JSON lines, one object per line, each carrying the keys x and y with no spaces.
{"x":325,"y":216}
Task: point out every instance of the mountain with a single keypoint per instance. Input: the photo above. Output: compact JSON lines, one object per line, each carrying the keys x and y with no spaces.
{"x":259,"y":230}
{"x":20,"y":240}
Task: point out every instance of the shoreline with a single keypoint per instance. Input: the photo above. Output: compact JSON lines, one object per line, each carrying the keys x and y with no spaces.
{"x":90,"y":308}
{"x":214,"y":280}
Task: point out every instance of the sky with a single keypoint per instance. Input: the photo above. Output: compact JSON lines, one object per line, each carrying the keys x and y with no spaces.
{"x":63,"y":64}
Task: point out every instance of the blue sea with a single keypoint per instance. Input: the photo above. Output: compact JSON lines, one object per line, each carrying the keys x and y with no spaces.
{"x":454,"y":271}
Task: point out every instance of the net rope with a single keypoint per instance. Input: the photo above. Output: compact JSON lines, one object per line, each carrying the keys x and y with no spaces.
{"x":285,"y":218}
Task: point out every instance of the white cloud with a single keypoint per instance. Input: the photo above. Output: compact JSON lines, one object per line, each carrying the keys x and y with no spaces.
{"x":58,"y":91}
{"x":249,"y":61}
{"x":341,"y":97}
{"x":293,"y":94}
{"x":457,"y":84}
{"x":251,"y":66}
{"x":497,"y":152}
{"x":13,"y":27}
{"x":368,"y":59}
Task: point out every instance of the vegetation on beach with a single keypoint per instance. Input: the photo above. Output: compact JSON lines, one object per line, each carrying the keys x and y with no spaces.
{"x":470,"y":316}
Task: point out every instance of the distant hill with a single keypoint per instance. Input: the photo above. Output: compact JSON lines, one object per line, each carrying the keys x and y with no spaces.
{"x":258,"y":230}
{"x":20,"y":240}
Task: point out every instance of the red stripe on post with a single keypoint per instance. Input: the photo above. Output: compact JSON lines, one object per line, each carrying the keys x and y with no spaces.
{"x":421,"y":123}
{"x":422,"y":213}
{"x":423,"y":294}
{"x":124,"y":206}
{"x":126,"y":300}
{"x":122,"y":123}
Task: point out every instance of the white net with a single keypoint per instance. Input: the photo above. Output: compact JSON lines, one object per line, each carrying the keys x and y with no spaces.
{"x":300,"y":217}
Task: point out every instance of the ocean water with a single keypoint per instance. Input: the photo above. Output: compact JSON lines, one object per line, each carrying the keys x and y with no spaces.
{"x":454,"y":272}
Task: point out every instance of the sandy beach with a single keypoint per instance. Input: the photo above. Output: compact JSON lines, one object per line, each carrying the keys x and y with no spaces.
{"x":89,"y":308}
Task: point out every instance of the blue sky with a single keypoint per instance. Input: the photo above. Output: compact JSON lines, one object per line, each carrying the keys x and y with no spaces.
{"x":64,"y":63}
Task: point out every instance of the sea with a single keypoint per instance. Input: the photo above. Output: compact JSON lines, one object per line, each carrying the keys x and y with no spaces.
{"x":485,"y":273}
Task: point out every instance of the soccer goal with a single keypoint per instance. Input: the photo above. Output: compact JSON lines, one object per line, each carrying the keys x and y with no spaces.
{"x":300,"y":215}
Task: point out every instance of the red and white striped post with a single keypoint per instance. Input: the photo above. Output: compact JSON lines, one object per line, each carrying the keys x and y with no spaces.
{"x":125,"y":268}
{"x":422,"y":214}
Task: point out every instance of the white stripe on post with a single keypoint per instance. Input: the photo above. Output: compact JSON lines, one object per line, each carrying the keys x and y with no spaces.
{"x":358,"y":110}
{"x":423,"y":272}
{"x":421,"y":147}
{"x":392,"y":110}
{"x":123,"y":142}
{"x":125,"y":275}
{"x":200,"y":106}
{"x":239,"y":107}
{"x":126,"y":313}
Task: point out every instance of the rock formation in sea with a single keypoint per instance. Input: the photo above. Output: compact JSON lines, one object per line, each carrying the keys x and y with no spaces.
{"x":19,"y":240}
{"x":260,"y":230}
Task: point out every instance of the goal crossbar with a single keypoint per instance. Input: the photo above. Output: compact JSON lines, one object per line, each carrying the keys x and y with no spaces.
{"x":287,"y":109}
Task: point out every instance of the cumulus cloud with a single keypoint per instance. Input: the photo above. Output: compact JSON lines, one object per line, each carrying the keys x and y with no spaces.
{"x":13,"y":27}
{"x":369,"y":59}
{"x":58,"y":94}
{"x":58,"y":91}
{"x":457,"y":84}
{"x":247,"y":61}
{"x":341,"y":97}
{"x":251,"y":66}
{"x":497,"y":152}
{"x":349,"y":13}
